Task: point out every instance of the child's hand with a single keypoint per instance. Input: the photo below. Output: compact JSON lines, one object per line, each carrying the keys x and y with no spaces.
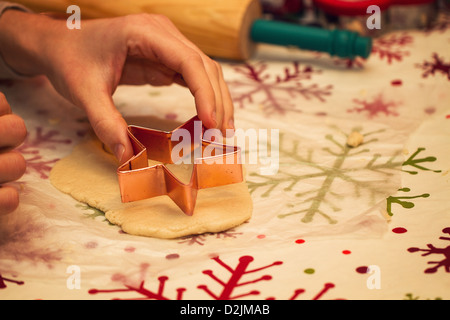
{"x":87,"y":65}
{"x":12,"y":163}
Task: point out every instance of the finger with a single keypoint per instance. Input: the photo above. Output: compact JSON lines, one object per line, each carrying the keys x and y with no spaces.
{"x":137,"y":71}
{"x":224,"y":108}
{"x":4,"y":105}
{"x":12,"y":166}
{"x":12,"y":131}
{"x":109,"y":126}
{"x":190,"y":65}
{"x":213,"y":74}
{"x":228,"y":107}
{"x":167,"y":24}
{"x":178,"y":79}
{"x":9,"y":199}
{"x":166,"y":49}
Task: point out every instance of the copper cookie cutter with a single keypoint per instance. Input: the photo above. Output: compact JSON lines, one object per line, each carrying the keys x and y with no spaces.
{"x":138,"y":180}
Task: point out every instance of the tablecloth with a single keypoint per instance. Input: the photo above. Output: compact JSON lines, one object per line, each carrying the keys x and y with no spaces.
{"x":330,"y":222}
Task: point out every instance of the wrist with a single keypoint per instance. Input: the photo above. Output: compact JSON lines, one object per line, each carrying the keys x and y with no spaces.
{"x":22,"y":41}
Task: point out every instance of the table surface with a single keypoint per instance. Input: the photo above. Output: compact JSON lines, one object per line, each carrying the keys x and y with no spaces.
{"x":331,"y":222}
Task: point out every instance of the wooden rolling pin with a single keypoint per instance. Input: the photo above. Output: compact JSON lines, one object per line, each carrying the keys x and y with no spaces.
{"x":220,"y":28}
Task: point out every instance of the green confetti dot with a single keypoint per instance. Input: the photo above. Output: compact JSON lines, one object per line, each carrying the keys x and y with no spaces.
{"x":309,"y":271}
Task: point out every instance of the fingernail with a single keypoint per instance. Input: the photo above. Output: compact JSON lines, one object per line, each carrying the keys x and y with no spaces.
{"x":119,"y":150}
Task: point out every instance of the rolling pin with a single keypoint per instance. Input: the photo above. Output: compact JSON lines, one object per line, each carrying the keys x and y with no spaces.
{"x":227,"y":29}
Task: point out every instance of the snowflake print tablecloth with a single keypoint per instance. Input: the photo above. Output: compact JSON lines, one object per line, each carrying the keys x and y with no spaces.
{"x":333,"y":221}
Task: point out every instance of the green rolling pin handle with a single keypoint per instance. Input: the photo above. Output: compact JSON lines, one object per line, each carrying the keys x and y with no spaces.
{"x":341,"y":43}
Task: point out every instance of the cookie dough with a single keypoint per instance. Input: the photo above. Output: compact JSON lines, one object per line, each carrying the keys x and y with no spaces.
{"x":89,"y":175}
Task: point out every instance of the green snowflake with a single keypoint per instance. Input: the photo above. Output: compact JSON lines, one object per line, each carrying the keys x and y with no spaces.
{"x":91,"y":212}
{"x":412,"y":161}
{"x":321,"y":199}
{"x":410,"y":296}
{"x":401,"y":200}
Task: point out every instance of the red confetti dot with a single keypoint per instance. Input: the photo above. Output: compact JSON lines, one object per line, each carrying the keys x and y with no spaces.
{"x":129,"y":249}
{"x":261,"y":236}
{"x":299,"y":241}
{"x":448,"y":116}
{"x":346,"y":252}
{"x":362,"y":269}
{"x":91,"y":245}
{"x":430,"y":110}
{"x":399,"y":230}
{"x":172,"y":256}
{"x":396,"y":82}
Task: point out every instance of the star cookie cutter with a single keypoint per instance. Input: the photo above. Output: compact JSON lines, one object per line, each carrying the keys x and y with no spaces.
{"x":137,"y":180}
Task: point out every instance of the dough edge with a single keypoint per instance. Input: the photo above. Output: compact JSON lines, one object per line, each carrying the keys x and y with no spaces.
{"x":84,"y":173}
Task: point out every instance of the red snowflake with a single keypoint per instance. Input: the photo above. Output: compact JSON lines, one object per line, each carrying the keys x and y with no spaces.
{"x":436,"y":65}
{"x":228,"y":286}
{"x":277,"y":91}
{"x":241,"y":270}
{"x":441,"y":24}
{"x":31,"y":149}
{"x":391,"y":47}
{"x":200,"y":239}
{"x":326,"y":287}
{"x":376,"y":106}
{"x":3,"y":281}
{"x":139,"y":287}
{"x":196,"y":239}
{"x":444,"y":263}
{"x":18,"y":243}
{"x":233,"y":282}
{"x":145,"y":293}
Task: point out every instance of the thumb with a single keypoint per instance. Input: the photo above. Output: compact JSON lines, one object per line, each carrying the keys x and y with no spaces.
{"x":110,"y":127}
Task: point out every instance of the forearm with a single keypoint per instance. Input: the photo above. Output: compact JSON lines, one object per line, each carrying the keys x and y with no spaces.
{"x":24,"y":41}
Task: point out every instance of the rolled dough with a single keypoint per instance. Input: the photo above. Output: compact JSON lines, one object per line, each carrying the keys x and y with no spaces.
{"x":89,"y":175}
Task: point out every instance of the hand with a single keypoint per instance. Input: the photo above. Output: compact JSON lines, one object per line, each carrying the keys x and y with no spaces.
{"x":87,"y":65}
{"x":12,"y":163}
